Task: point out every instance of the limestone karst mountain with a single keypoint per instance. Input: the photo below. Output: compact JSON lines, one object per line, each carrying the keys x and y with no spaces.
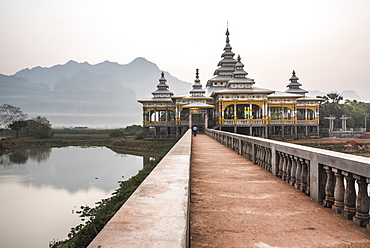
{"x":141,"y":75}
{"x":74,"y":94}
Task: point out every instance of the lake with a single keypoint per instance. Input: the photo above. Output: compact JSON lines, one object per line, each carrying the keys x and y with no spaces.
{"x":41,"y":190}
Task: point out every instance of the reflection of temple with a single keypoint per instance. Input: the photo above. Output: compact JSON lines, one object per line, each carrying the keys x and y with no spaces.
{"x":231,"y":103}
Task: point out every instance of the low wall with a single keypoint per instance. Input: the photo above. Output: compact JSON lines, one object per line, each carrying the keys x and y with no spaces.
{"x":156,"y":215}
{"x":328,"y":177}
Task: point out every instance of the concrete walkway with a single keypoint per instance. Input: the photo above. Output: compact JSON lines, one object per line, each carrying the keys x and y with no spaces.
{"x":237,"y":204}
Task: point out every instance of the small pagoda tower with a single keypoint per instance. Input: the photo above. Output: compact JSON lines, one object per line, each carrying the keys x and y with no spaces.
{"x":159,"y":113}
{"x":239,"y":79}
{"x":226,"y":66}
{"x":199,"y":105}
{"x":197,"y":90}
{"x":162,"y":91}
{"x":294,"y":86}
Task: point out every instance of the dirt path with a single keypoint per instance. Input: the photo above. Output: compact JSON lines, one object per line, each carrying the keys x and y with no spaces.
{"x":237,"y":204}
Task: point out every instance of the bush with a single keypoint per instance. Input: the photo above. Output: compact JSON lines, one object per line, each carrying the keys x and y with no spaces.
{"x":132,"y":131}
{"x":39,"y":128}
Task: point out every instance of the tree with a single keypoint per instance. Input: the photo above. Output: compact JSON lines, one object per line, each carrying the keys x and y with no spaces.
{"x":17,"y":125}
{"x":331,"y":107}
{"x":357,"y":113}
{"x":39,"y":128}
{"x":334,"y":97}
{"x":10,"y":114}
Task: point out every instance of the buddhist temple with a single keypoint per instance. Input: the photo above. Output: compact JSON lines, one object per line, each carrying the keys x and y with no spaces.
{"x":231,"y":102}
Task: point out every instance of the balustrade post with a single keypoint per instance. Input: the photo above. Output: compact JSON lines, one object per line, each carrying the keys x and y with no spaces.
{"x":308,"y":188}
{"x":253,"y":152}
{"x":304,"y":176}
{"x":258,"y":156}
{"x":288,"y":168}
{"x":274,"y":162}
{"x":298,"y":174}
{"x":264,"y":156}
{"x":294,"y":170}
{"x":283,"y":167}
{"x":349,"y":196}
{"x":362,"y":202}
{"x":329,"y":187}
{"x":243,"y":149}
{"x":240,"y":146}
{"x":338,"y":191}
{"x":316,"y":182}
{"x":280,"y":165}
{"x":268,"y":159}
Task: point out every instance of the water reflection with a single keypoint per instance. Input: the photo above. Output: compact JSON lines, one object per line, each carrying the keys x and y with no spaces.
{"x":43,"y":186}
{"x":21,"y":157}
{"x":70,"y":168}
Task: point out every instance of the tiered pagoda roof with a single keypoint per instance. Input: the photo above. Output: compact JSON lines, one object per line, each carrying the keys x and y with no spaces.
{"x":197,"y":87}
{"x":162,"y":91}
{"x":239,"y":79}
{"x":226,"y":66}
{"x":294,"y":86}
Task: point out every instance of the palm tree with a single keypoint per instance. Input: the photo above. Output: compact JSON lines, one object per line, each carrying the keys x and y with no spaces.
{"x":334,"y":97}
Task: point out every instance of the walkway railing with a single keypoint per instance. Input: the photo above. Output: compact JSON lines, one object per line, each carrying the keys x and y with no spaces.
{"x":157,"y":213}
{"x":328,"y":177}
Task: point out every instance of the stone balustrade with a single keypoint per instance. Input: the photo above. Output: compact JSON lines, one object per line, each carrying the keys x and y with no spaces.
{"x":328,"y":177}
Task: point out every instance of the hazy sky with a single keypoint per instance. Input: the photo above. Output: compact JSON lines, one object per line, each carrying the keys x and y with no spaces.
{"x":327,"y":42}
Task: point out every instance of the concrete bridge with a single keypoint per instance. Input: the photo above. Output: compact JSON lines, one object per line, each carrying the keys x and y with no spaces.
{"x":229,"y":190}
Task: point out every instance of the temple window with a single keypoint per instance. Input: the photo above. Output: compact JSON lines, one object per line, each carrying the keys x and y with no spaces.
{"x":184,"y":116}
{"x":305,"y":114}
{"x":310,"y":114}
{"x":276,"y":113}
{"x":247,"y":111}
{"x":229,"y":112}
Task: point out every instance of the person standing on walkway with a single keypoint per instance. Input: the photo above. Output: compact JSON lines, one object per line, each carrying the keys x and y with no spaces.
{"x":195,"y":131}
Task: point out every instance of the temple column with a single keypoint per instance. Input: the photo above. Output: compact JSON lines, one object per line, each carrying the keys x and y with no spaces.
{"x":234,"y":114}
{"x":205,"y":121}
{"x":190,"y":123}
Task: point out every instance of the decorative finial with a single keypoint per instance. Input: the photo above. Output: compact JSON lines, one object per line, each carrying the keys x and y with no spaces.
{"x":197,"y":73}
{"x":293,"y":72}
{"x":227,"y":30}
{"x":162,"y":73}
{"x":239,"y":58}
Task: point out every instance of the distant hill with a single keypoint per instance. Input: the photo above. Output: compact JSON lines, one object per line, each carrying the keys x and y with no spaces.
{"x":75,"y":94}
{"x":347,"y":94}
{"x":141,"y":75}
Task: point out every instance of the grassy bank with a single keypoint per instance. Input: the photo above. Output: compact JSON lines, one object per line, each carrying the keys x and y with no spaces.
{"x":116,"y":144}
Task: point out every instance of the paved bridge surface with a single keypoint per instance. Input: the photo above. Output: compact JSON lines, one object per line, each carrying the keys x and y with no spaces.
{"x":237,"y":204}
